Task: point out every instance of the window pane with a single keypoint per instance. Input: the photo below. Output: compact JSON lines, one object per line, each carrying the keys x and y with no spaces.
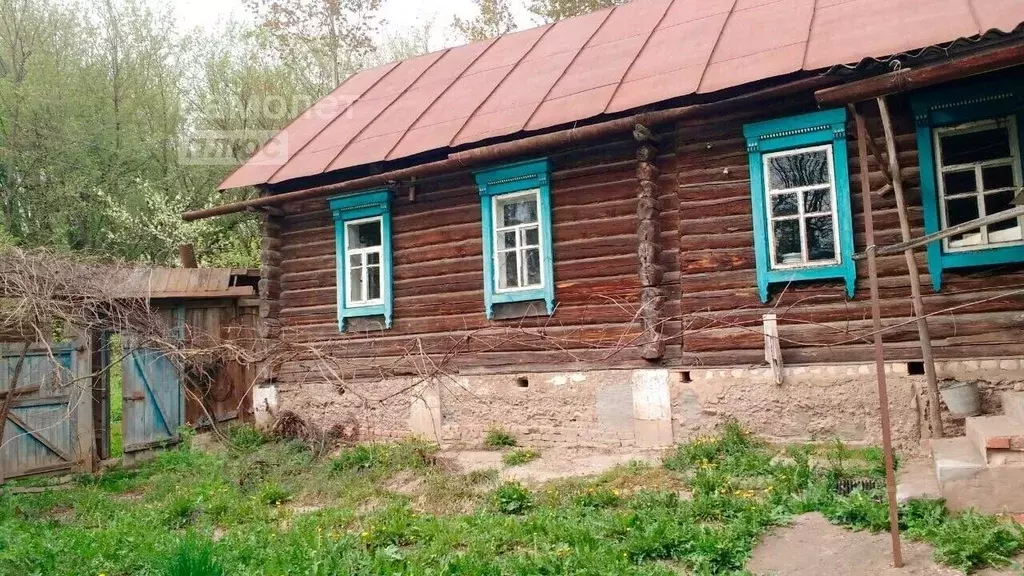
{"x":787,"y":242}
{"x":800,"y":169}
{"x":506,"y":240}
{"x":997,"y":177}
{"x":518,"y":211}
{"x":979,"y":146}
{"x":533,"y":267}
{"x":355,"y":260}
{"x":355,"y":284}
{"x":1007,"y":230}
{"x":363,"y":235}
{"x":959,"y":211}
{"x":818,"y":201}
{"x":373,"y":282}
{"x":959,"y":182}
{"x":820,"y":239}
{"x":508,"y":270}
{"x":531,"y":237}
{"x":784,"y":205}
{"x":373,"y":258}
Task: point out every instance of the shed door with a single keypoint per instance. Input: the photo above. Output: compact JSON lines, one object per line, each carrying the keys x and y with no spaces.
{"x":38,"y":435}
{"x":152,"y":400}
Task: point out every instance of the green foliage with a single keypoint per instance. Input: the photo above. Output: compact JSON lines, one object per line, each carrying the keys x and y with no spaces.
{"x":194,"y":557}
{"x":276,"y":510}
{"x":521,"y":456}
{"x":245,"y":437}
{"x":971,"y":540}
{"x":554,"y":10}
{"x":494,"y":18}
{"x":511,"y":498}
{"x":384,"y":458}
{"x":499,"y":438}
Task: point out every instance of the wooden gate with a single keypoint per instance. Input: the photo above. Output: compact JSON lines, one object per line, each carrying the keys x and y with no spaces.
{"x":40,"y":435}
{"x":153,"y":402}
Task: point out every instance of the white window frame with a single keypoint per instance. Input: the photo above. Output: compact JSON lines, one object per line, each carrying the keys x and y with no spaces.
{"x":801,"y":216}
{"x":497,"y":231}
{"x":363,"y":252}
{"x":940,"y":170}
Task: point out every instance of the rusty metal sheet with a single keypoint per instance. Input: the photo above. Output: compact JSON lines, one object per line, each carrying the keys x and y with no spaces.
{"x":838,"y":29}
{"x":611,"y":61}
{"x":302,"y":129}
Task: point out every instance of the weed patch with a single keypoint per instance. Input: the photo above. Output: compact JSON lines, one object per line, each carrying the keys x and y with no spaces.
{"x":388,"y":509}
{"x":520,"y":457}
{"x":499,"y":438}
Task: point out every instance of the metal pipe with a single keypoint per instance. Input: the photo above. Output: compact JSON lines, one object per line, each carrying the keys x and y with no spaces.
{"x":876,"y":317}
{"x":522,"y":146}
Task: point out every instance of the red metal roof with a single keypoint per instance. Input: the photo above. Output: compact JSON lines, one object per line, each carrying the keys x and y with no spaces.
{"x":614,"y":60}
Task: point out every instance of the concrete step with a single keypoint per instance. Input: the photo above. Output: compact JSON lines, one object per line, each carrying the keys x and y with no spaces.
{"x":1013,"y":405}
{"x":1000,"y":439}
{"x":955,"y":459}
{"x":966,"y":481}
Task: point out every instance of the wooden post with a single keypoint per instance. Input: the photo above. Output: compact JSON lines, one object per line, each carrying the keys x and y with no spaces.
{"x":652,"y":299}
{"x":876,"y":317}
{"x":934,"y":413}
{"x":12,"y":391}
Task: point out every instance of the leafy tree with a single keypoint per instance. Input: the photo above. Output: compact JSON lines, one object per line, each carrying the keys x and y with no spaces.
{"x":494,"y":19}
{"x":331,"y":37}
{"x":555,"y":10}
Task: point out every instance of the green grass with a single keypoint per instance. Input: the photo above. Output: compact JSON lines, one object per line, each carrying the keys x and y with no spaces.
{"x":499,"y":438}
{"x":519,"y":457}
{"x":268,"y":508}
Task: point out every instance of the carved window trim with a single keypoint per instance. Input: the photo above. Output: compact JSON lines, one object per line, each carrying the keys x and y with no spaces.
{"x":827,"y":127}
{"x":364,"y":206}
{"x":516,"y":179}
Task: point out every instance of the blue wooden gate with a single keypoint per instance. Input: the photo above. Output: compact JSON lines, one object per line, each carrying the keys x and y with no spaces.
{"x":153,"y":401}
{"x":39,"y":435}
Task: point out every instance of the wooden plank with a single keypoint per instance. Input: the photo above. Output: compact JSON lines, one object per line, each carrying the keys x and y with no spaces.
{"x":18,"y":421}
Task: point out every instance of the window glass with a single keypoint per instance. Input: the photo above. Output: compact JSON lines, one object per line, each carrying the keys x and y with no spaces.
{"x":979,"y":173}
{"x":364,"y":235}
{"x":517,"y":234}
{"x":802,"y":210}
{"x":363,"y":257}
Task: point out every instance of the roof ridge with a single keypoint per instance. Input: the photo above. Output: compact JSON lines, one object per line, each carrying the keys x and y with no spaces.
{"x":636,"y":56}
{"x":500,"y":82}
{"x":567,"y":66}
{"x":490,"y":43}
{"x":348,"y":106}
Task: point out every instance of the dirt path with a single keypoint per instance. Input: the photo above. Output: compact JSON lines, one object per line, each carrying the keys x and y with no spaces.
{"x":813,"y":547}
{"x":553,"y":464}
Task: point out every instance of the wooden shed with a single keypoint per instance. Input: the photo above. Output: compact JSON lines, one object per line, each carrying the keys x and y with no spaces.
{"x":55,"y":423}
{"x":622,"y":228}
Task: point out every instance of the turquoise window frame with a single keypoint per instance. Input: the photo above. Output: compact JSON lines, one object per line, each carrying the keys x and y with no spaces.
{"x":516,"y":178}
{"x":372,"y":204}
{"x":827,"y":127}
{"x":951,"y":106}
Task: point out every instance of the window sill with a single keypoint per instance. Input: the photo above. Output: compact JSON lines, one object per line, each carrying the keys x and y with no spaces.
{"x":846,"y":271}
{"x":517,"y":310}
{"x":971,"y":259}
{"x":529,"y":297}
{"x":364,"y":318}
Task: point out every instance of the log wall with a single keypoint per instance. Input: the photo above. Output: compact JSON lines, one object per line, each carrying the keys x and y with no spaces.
{"x":712,"y":312}
{"x":977,"y":315}
{"x":438,"y":277}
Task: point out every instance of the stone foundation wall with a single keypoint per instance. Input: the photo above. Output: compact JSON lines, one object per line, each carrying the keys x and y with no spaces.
{"x":637,"y":409}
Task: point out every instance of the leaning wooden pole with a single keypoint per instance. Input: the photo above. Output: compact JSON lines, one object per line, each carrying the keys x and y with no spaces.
{"x":934,"y":412}
{"x":876,"y":316}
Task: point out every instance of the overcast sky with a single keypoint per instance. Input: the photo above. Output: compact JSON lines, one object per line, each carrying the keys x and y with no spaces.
{"x":400,"y":14}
